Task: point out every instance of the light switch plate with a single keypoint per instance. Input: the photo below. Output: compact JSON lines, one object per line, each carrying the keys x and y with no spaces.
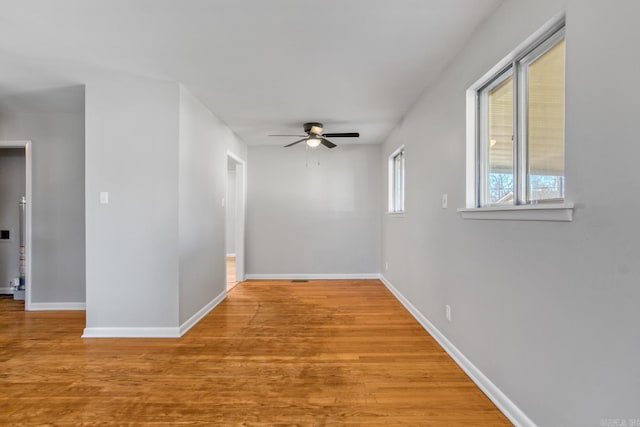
{"x":104,"y":197}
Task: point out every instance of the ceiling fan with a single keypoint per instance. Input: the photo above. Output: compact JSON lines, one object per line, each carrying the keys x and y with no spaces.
{"x":314,"y":136}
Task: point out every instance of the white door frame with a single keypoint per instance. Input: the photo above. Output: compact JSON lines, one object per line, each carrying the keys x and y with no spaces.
{"x":241,"y":207}
{"x":27,"y":184}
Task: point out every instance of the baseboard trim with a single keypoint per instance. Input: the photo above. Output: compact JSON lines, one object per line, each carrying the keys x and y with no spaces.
{"x":184,"y":328}
{"x":6,"y":290}
{"x":131,"y":333}
{"x":57,"y":306}
{"x":310,"y":276}
{"x":504,"y":404}
{"x":168,"y":332}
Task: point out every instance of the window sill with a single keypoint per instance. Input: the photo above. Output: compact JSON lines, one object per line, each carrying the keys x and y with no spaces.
{"x":394,"y":213}
{"x":538,"y":212}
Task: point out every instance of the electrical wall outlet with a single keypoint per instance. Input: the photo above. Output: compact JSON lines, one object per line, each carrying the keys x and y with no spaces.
{"x":444,"y":201}
{"x":386,"y":265}
{"x":447,"y":312}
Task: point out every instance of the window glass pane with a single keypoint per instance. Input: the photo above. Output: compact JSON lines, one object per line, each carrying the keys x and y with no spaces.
{"x":545,"y":125}
{"x":500,"y":143}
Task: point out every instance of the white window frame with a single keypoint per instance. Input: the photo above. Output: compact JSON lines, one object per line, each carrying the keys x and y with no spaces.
{"x":515,"y":65}
{"x":396,"y":201}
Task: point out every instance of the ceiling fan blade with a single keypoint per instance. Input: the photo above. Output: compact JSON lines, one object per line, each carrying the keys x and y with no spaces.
{"x":299,"y":136}
{"x":327,"y":143}
{"x":342,"y":135}
{"x":294,"y":143}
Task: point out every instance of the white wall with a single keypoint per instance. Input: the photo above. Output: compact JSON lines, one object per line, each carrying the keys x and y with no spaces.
{"x":313,"y":212}
{"x":12,"y":188}
{"x":548,"y":311}
{"x":204,"y":141}
{"x":54,"y":121}
{"x":231,"y":211}
{"x":132,"y":242}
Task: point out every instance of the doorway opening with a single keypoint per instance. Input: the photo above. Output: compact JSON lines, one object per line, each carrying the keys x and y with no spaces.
{"x":235,"y":220}
{"x":15,"y":220}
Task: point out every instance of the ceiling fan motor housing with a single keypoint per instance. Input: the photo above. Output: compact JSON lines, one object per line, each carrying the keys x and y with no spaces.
{"x":313,"y":127}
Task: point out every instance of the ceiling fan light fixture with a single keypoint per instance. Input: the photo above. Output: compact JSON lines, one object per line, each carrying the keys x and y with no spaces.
{"x":316,"y":130}
{"x":313,"y":142}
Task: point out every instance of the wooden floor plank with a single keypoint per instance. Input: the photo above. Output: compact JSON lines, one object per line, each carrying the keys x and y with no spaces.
{"x":274,"y":353}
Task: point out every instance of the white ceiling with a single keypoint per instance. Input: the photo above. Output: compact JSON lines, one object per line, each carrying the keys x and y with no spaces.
{"x":262,"y":66}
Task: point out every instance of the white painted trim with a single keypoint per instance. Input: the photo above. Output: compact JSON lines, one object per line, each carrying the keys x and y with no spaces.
{"x":311,"y":276}
{"x":6,"y":290}
{"x":390,"y":183}
{"x":28,"y":190}
{"x":504,"y":404}
{"x":235,"y":157}
{"x":539,"y":212}
{"x":29,"y":226}
{"x":167,"y":332}
{"x":57,"y":306}
{"x":184,"y":328}
{"x":472,"y":149}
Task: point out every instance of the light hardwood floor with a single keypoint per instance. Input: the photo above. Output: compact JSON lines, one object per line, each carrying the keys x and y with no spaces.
{"x":231,"y":272}
{"x":323,"y":353}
